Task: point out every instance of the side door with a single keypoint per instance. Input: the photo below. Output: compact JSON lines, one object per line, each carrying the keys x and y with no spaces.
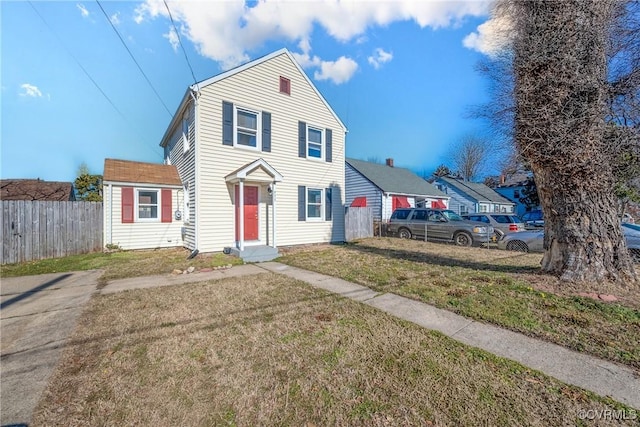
{"x":418,"y":222}
{"x":438,"y":226}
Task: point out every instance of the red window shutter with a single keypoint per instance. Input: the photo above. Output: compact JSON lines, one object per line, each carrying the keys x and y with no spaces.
{"x":127,"y":205}
{"x":166,"y":205}
{"x":359,"y":202}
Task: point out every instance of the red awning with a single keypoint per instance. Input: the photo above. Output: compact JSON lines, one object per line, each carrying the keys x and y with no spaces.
{"x":400,"y":202}
{"x":359,"y":202}
{"x":438,"y":204}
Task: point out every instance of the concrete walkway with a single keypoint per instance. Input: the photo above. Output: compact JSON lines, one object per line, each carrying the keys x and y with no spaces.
{"x":37,"y":315}
{"x":599,"y":376}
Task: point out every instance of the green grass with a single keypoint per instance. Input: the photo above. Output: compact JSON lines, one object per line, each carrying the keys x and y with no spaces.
{"x":491,"y":286}
{"x":122,"y":264}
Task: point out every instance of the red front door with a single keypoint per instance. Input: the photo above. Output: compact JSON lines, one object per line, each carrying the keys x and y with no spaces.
{"x":250,"y":213}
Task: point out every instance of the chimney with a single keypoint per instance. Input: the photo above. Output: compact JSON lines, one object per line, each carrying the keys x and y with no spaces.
{"x":503,"y":179}
{"x":390,"y":162}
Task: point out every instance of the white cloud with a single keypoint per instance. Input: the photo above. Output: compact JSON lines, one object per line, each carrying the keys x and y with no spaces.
{"x":30,"y":90}
{"x":115,"y":18}
{"x":83,"y":10}
{"x":226,"y":31}
{"x":491,"y":37}
{"x":380,"y":57}
{"x":172,"y":36}
{"x":339,"y":71}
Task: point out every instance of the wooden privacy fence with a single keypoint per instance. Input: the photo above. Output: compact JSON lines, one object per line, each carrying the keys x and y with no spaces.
{"x":33,"y":230}
{"x":358,"y":223}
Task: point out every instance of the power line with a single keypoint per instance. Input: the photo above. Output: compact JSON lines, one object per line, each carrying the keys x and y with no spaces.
{"x":180,"y":41}
{"x":133,"y":58}
{"x":85,"y":71}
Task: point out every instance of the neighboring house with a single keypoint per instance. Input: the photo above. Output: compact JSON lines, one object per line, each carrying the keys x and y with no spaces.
{"x":36,"y":189}
{"x":469,"y":197}
{"x":143,"y":205}
{"x":384,"y":188}
{"x":512,"y":188}
{"x":260,"y":154}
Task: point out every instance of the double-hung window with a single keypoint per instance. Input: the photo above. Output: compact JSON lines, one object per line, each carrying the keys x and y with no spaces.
{"x":314,"y":203}
{"x":314,"y":142}
{"x":247,"y":125}
{"x":147,"y":201}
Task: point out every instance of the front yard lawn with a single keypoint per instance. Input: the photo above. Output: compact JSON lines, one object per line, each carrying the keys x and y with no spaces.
{"x":122,"y":264}
{"x":269,"y":350}
{"x":492,"y":286}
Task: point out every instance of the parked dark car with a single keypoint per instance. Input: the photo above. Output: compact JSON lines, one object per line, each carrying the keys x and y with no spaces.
{"x":438,"y":224}
{"x":533,"y":220}
{"x":502,"y":223}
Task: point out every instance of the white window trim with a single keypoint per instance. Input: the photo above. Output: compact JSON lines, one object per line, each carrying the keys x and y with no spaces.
{"x":185,"y":132}
{"x":323,"y":143}
{"x":322,"y":208}
{"x":137,"y":205}
{"x":258,"y":114}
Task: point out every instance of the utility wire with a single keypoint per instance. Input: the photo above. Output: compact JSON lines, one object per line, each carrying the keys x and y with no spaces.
{"x":133,"y":58}
{"x":85,"y":71}
{"x":180,"y":41}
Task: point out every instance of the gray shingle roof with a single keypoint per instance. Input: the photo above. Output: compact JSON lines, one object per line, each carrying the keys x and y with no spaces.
{"x":476,"y":190}
{"x":395,"y":180}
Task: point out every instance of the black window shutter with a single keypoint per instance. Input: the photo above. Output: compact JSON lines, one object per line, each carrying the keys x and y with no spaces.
{"x":302,"y":203}
{"x":227,"y":123}
{"x":266,"y":132}
{"x":302,"y":139}
{"x":327,"y":204}
{"x":329,"y":143}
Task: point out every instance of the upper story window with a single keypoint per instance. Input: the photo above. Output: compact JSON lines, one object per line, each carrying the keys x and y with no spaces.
{"x":314,"y":143}
{"x":247,"y":125}
{"x":147,"y":201}
{"x":285,"y":85}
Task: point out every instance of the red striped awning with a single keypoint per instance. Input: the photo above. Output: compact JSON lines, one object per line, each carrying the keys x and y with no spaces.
{"x":438,"y":204}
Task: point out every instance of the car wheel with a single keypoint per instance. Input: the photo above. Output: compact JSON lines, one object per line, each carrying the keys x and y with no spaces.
{"x":518,"y":246}
{"x":462,"y":239}
{"x":404,"y":233}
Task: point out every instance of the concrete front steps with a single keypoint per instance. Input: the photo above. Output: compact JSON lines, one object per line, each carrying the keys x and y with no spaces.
{"x":259,"y":253}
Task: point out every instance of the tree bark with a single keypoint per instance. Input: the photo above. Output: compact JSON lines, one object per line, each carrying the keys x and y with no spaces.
{"x":560,"y":67}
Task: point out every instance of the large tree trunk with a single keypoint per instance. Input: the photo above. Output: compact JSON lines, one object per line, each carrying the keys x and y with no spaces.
{"x":560,"y":75}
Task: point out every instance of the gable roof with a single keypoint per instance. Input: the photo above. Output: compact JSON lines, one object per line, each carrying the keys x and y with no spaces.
{"x":395,"y":180}
{"x":36,"y":189}
{"x":475,"y":190}
{"x":195,"y":88}
{"x":139,"y":172}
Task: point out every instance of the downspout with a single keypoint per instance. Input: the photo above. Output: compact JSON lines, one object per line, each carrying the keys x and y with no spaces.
{"x":196,"y":168}
{"x":110,"y":213}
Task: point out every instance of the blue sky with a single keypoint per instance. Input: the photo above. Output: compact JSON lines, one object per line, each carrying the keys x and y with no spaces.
{"x":401,"y":75}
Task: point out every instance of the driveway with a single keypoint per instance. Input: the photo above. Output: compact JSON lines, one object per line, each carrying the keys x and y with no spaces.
{"x":37,"y":315}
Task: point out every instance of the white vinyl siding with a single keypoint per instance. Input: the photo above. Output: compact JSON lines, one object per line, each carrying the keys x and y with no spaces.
{"x":257,"y":87}
{"x":185,"y":163}
{"x":142,"y":234}
{"x":359,"y":186}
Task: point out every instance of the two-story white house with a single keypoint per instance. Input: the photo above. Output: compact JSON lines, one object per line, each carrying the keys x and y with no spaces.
{"x":260,"y":155}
